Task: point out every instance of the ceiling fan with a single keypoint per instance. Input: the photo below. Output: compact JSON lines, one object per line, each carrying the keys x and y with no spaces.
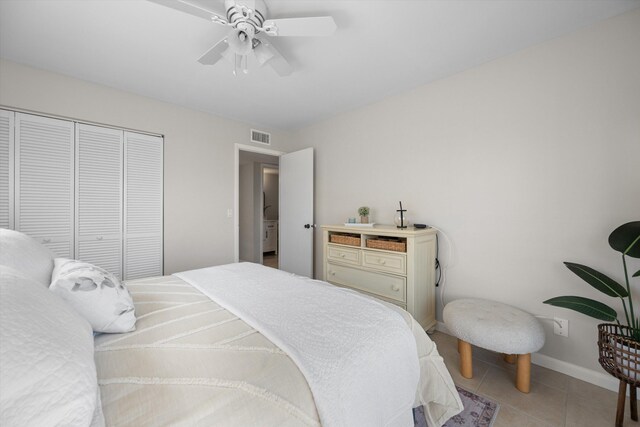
{"x":247,"y":19}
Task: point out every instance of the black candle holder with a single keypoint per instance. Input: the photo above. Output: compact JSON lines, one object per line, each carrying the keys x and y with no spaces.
{"x":402,"y":211}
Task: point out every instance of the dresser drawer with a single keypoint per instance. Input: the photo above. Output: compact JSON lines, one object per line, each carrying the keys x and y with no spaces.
{"x":392,"y":287}
{"x":393,"y":263}
{"x":342,"y":254}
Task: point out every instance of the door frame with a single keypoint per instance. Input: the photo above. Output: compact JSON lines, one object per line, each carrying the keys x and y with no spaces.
{"x":236,"y":190}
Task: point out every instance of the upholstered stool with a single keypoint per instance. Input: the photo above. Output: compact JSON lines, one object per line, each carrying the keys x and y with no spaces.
{"x":497,"y":327}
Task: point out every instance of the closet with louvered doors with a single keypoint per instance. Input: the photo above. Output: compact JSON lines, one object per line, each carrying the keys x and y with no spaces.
{"x":87,"y":192}
{"x":99,"y":188}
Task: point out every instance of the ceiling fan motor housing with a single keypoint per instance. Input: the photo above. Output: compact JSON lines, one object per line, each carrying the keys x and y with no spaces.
{"x":246,"y":12}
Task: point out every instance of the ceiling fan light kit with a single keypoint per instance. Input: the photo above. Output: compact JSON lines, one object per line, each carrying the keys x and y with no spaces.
{"x":247,"y":18}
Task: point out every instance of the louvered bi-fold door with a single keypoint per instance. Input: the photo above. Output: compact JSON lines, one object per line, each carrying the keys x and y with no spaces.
{"x":143,"y":162}
{"x":6,"y":169}
{"x":99,"y":179}
{"x":44,"y":180}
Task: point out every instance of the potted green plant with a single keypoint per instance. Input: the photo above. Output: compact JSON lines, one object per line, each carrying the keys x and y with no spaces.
{"x":618,"y":344}
{"x":626,"y":240}
{"x":364,"y":214}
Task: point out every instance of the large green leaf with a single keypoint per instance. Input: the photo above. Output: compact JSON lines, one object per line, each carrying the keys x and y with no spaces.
{"x":626,"y":239}
{"x":601,"y":282}
{"x":586,"y":306}
{"x":636,"y":274}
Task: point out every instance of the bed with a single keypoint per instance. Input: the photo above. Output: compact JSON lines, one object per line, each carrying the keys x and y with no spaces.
{"x":196,"y":358}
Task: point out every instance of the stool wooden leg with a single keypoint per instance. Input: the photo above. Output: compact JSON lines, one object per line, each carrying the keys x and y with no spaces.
{"x":633,"y":403}
{"x":509,"y":358}
{"x":622,"y":396}
{"x":466,"y":365}
{"x":523,"y":373}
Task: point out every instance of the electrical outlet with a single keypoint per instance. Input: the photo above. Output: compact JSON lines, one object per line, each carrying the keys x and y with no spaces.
{"x":229,"y":213}
{"x":561,"y":327}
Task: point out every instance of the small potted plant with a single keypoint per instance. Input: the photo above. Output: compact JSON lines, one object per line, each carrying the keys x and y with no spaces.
{"x":364,"y":214}
{"x":619,"y":344}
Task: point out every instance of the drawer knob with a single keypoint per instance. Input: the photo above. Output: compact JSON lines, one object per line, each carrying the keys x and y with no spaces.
{"x":46,"y":240}
{"x":342,"y":255}
{"x":381,"y":261}
{"x":333,"y":273}
{"x":99,"y":238}
{"x":395,"y":288}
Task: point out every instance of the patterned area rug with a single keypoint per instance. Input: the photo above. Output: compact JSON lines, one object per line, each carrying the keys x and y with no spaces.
{"x":478,"y":412}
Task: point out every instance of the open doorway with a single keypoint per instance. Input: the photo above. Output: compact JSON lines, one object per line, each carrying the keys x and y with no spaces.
{"x":257,"y":204}
{"x":295,"y":231}
{"x":270,"y":205}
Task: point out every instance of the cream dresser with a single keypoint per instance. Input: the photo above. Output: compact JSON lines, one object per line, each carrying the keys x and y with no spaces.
{"x":404,"y":276}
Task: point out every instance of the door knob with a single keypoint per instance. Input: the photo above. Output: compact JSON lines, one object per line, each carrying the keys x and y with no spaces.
{"x":309,"y":226}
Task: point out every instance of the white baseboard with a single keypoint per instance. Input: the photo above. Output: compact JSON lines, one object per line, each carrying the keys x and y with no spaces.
{"x":600,"y":379}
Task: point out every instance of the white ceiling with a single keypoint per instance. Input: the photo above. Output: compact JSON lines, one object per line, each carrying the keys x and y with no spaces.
{"x":381,"y":48}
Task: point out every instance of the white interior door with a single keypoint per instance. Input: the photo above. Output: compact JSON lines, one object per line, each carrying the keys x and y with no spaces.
{"x":99,"y":177}
{"x":296,"y":212}
{"x":44,"y":181}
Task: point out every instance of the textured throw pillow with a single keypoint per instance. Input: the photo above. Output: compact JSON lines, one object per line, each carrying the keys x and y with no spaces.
{"x":94,"y":293}
{"x":47,"y":369}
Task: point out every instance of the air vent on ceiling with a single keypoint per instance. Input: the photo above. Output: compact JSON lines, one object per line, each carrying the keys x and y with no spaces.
{"x":260,"y":137}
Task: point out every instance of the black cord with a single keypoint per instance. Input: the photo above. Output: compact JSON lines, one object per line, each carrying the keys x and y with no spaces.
{"x":438,"y":262}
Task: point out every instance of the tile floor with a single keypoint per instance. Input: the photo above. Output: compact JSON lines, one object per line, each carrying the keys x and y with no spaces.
{"x":270,"y":259}
{"x":555,"y":399}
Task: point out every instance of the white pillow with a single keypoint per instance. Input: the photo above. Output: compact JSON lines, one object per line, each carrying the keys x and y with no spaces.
{"x":94,"y":293}
{"x":48,"y":374}
{"x":25,"y":255}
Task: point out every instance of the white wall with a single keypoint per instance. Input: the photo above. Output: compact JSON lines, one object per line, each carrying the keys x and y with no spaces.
{"x":199,"y":153}
{"x":524,"y":162}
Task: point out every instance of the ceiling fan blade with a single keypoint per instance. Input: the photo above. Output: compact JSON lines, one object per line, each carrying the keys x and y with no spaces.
{"x":267,"y":54}
{"x":316,"y":26}
{"x":214,"y":54}
{"x":205,"y":9}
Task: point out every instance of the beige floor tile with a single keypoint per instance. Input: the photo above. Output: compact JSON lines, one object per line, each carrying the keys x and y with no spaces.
{"x":480,"y":369}
{"x":543,"y":402}
{"x":550,"y":378}
{"x":509,"y":416}
{"x":589,"y":405}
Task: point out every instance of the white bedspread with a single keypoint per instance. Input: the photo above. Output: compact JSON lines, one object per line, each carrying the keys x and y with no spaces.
{"x":358,"y":356}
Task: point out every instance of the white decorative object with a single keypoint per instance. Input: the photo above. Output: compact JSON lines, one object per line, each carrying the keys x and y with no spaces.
{"x":497,"y":327}
{"x":96,"y":294}
{"x":48,"y":374}
{"x":406,"y":279}
{"x":25,"y":255}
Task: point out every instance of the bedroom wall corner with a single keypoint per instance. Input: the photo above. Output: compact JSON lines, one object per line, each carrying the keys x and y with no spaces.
{"x":198,"y":157}
{"x":525,"y":162}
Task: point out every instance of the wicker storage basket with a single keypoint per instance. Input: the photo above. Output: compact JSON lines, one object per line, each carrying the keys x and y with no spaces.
{"x":390,"y":244}
{"x":619,"y":354}
{"x":345,"y":239}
